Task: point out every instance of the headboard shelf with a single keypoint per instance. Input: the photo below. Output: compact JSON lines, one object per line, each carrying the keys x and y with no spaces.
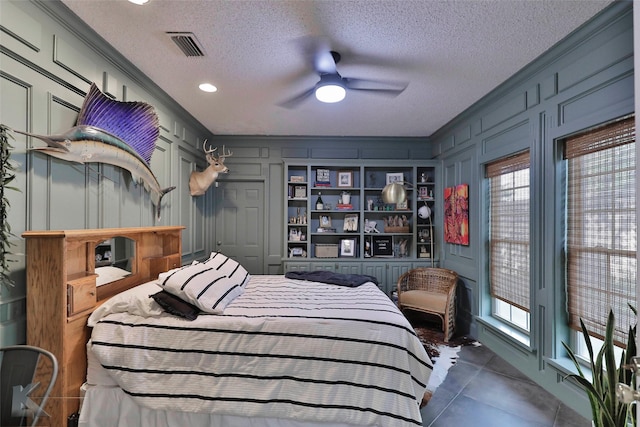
{"x":80,"y":276}
{"x":62,"y":292}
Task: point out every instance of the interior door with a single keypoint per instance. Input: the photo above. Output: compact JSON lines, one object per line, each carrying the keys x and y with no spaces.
{"x":239,"y":232}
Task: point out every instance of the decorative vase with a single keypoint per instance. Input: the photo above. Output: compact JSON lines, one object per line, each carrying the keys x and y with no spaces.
{"x":346,"y":198}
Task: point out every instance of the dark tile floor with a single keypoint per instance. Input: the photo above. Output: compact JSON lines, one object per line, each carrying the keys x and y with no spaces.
{"x":483,"y":390}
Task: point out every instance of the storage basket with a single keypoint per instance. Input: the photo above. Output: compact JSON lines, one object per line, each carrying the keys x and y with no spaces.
{"x":326,"y":250}
{"x":389,"y":229}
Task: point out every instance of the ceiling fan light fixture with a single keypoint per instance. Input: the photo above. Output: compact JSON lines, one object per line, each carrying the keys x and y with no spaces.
{"x":330,"y":93}
{"x":330,"y":89}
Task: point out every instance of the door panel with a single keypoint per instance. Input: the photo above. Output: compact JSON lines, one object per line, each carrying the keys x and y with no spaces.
{"x":240,"y":222}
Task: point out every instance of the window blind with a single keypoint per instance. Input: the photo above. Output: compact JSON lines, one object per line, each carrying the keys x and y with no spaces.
{"x":509,"y":230}
{"x":601,"y":228}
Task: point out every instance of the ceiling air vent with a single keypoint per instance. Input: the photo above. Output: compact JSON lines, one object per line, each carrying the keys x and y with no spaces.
{"x":187,"y":42}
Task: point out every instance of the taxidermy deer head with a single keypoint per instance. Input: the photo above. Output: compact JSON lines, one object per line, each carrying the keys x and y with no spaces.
{"x":200,"y":181}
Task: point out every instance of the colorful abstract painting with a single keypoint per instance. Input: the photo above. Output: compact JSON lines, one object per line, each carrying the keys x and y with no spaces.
{"x":456,"y":214}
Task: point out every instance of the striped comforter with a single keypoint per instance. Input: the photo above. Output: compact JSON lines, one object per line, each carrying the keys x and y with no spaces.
{"x":284,"y":348}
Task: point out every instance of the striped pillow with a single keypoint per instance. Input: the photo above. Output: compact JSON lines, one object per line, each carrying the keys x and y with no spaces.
{"x":209,"y":285}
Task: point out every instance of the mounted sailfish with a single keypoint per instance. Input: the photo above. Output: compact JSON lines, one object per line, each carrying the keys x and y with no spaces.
{"x":118,"y":133}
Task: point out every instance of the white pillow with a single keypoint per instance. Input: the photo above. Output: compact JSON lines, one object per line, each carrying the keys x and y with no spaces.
{"x":210,"y":285}
{"x":229,"y":266}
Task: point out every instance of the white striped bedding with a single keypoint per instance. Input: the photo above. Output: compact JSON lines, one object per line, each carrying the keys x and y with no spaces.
{"x":285,"y":348}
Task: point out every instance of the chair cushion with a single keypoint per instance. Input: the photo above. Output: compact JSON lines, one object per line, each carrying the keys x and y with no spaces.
{"x":426,"y":300}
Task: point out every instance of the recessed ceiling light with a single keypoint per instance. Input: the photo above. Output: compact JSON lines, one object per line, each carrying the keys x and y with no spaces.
{"x":208,"y":87}
{"x":140,"y":2}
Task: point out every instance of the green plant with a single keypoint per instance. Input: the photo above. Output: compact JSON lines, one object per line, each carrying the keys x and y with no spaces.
{"x":6,"y":176}
{"x":606,"y":410}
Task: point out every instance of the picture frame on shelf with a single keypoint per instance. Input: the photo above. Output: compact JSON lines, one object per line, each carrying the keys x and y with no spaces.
{"x":325,"y":221}
{"x":348,"y":247}
{"x":395,"y":177}
{"x":382,"y":246}
{"x":345,"y":179}
{"x":424,"y":193}
{"x":403,"y":206}
{"x":297,"y":178}
{"x":296,"y":252}
{"x":350,"y":223}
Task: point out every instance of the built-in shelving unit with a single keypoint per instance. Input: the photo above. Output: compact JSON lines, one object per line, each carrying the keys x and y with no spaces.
{"x":354,"y":231}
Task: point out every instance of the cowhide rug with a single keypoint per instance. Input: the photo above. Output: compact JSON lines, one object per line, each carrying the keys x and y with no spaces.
{"x":443,"y":355}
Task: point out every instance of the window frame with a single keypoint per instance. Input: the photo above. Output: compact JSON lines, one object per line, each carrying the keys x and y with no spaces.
{"x":608,"y":176}
{"x":510,"y":164}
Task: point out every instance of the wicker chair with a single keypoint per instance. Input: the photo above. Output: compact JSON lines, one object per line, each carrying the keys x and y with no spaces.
{"x":433,"y":291}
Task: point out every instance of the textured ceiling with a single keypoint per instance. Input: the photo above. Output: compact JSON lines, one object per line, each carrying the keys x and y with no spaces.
{"x":452,"y":53}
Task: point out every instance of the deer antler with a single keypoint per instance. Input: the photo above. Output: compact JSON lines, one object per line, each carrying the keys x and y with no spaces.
{"x":223,"y":155}
{"x":205,"y":149}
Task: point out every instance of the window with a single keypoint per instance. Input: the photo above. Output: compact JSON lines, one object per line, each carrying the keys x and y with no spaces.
{"x":601,"y":228}
{"x":509,"y":239}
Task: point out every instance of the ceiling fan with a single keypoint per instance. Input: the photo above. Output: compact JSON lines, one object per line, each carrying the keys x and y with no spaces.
{"x":332,"y":87}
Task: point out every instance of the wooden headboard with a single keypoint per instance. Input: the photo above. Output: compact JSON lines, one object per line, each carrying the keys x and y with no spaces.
{"x":62,"y":293}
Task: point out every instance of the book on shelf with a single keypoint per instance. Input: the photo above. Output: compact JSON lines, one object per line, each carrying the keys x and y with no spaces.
{"x":326,"y":230}
{"x":344,"y":207}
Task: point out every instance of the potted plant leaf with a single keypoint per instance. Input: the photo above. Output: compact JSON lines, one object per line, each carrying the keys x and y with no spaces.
{"x":606,"y":373}
{"x":6,"y":176}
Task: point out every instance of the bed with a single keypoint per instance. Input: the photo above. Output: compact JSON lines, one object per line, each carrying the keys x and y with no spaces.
{"x":282,"y":352}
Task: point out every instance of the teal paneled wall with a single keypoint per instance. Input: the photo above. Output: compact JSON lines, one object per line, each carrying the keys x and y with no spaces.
{"x":585,"y":80}
{"x":48,"y":60}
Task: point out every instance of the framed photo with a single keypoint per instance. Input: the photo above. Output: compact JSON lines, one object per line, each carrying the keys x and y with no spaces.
{"x":325,"y":221}
{"x":402,"y":206}
{"x":351,"y":222}
{"x":297,"y":178}
{"x":424,"y":193}
{"x":345,"y":179}
{"x":395,"y":177}
{"x":296,"y":252}
{"x":348,"y":247}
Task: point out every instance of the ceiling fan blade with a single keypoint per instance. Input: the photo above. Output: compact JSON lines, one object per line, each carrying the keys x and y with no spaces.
{"x":296,"y":100}
{"x":391,"y":88}
{"x":387,"y":92}
{"x":356,"y":83}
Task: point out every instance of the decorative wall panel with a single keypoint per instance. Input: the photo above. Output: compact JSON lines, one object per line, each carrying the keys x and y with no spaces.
{"x":21,"y":27}
{"x":73,"y":61}
{"x":499,"y":114}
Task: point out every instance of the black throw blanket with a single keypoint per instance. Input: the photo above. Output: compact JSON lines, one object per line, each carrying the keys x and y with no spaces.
{"x":350,"y":280}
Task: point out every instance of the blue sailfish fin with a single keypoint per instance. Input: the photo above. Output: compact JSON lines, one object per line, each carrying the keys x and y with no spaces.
{"x":135,"y":123}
